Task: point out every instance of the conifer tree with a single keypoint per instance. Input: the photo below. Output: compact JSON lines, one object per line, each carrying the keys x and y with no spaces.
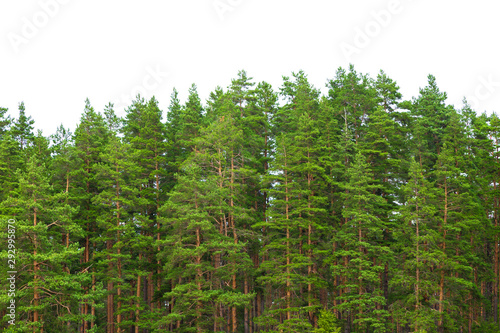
{"x":174,"y":155}
{"x":203,"y":235}
{"x":460,"y":215}
{"x":417,"y":251}
{"x":48,"y":278}
{"x":191,"y":122}
{"x":115,"y":259}
{"x":90,"y":139}
{"x":22,"y":128}
{"x":5,"y":122}
{"x":388,"y":92}
{"x":285,"y":264}
{"x":301,"y":201}
{"x":214,"y":106}
{"x":353,"y":211}
{"x":63,"y":163}
{"x":144,"y":131}
{"x":430,"y":118}
{"x":353,"y":97}
{"x":263,"y":109}
{"x":11,"y":160}
{"x":488,"y":148}
{"x":363,"y":250}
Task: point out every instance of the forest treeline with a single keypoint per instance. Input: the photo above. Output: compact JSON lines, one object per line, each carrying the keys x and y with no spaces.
{"x":257,"y":211}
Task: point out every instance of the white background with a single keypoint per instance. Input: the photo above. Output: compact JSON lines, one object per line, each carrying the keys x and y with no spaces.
{"x":55,"y":53}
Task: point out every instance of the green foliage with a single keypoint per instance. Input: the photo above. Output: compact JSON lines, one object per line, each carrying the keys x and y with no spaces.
{"x":486,"y":327}
{"x":328,"y":323}
{"x":22,"y":128}
{"x":354,"y":211}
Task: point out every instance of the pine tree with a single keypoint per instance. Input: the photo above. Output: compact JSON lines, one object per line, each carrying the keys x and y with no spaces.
{"x":115,"y":259}
{"x":214,"y":105}
{"x":417,"y":251}
{"x":144,"y":131}
{"x":353,"y":97}
{"x":22,"y":128}
{"x":174,"y":155}
{"x":202,"y":249}
{"x":362,"y":250}
{"x":191,"y":122}
{"x":11,"y":160}
{"x":285,"y":264}
{"x":388,"y":92}
{"x":262,"y":111}
{"x":48,"y":279}
{"x":298,"y":200}
{"x":62,"y":152}
{"x":5,"y":122}
{"x":90,"y":139}
{"x":353,"y":211}
{"x":430,"y":118}
{"x":381,"y":148}
{"x":467,"y":219}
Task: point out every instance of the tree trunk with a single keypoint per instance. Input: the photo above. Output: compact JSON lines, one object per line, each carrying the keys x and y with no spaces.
{"x":443,"y":247}
{"x":235,"y":236}
{"x":138,"y":299}
{"x":36,"y":295}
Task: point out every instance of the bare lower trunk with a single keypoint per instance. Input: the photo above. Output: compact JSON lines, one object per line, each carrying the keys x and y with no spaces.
{"x":138,"y":299}
{"x":36,"y":295}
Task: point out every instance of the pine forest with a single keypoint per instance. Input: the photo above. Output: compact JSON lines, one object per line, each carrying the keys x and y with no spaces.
{"x":257,"y":210}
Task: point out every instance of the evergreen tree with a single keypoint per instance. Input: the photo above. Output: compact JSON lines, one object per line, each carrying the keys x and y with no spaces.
{"x":430,"y":118}
{"x":388,"y":92}
{"x":191,"y":122}
{"x":353,"y":97}
{"x":285,"y":264}
{"x":301,"y":202}
{"x":48,"y":279}
{"x":11,"y":160}
{"x":5,"y":122}
{"x":90,"y":139}
{"x":353,"y":211}
{"x":417,"y":250}
{"x":202,"y":249}
{"x":62,"y":152}
{"x":174,"y":156}
{"x":363,"y":250}
{"x":459,"y":214}
{"x":22,"y":128}
{"x":144,"y":131}
{"x":115,"y":259}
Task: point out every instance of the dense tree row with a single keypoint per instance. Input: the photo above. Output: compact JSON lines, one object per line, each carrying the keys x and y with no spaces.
{"x":257,"y":211}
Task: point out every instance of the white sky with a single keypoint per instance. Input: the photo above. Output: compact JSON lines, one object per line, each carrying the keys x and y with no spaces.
{"x":55,"y":53}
